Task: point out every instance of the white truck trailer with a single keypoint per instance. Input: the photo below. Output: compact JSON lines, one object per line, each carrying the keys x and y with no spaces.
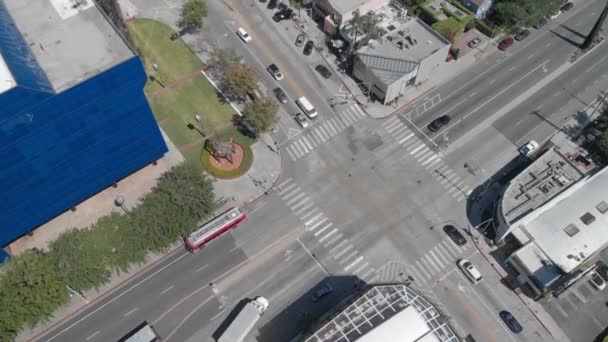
{"x":245,"y":320}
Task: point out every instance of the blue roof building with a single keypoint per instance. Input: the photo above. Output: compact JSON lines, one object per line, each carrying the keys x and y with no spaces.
{"x":73,"y":115}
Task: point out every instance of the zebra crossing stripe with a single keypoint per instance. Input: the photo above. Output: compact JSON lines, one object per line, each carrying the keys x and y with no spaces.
{"x":450,"y":245}
{"x":412,"y":269}
{"x":427,"y":274}
{"x":293,"y":158}
{"x":432,"y":164}
{"x":307,"y":223}
{"x":430,"y":262}
{"x":351,"y":265}
{"x":400,"y":133}
{"x":439,"y":263}
{"x":430,"y":159}
{"x":409,"y":136}
{"x":332,"y":240}
{"x":340,"y":253}
{"x":340,"y":123}
{"x":318,"y":232}
{"x":412,"y":152}
{"x":441,"y":256}
{"x":332,"y":232}
{"x":338,"y":246}
{"x":348,"y":257}
{"x":361,"y":268}
{"x":300,"y":195}
{"x":332,"y":130}
{"x":291,"y":193}
{"x":390,"y":122}
{"x":323,"y":133}
{"x":304,"y":208}
{"x":444,"y":253}
{"x":290,"y":186}
{"x":283,"y":183}
{"x":367,"y":274}
{"x":318,"y":223}
{"x":307,"y":199}
{"x":307,"y":143}
{"x":319,"y":135}
{"x":393,"y":128}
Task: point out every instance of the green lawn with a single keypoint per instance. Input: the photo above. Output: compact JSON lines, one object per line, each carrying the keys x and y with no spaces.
{"x":175,"y":107}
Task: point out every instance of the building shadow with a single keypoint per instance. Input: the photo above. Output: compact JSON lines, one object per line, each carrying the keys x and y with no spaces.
{"x":303,"y":314}
{"x":573,"y":31}
{"x":572,"y":42}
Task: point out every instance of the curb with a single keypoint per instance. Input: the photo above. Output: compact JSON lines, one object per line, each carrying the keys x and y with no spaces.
{"x":105,"y":294}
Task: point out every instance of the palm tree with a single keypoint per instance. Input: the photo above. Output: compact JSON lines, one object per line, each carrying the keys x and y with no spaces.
{"x":595,"y":31}
{"x":356,"y":21}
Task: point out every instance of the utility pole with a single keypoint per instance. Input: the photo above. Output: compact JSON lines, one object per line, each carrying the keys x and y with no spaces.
{"x":595,"y":31}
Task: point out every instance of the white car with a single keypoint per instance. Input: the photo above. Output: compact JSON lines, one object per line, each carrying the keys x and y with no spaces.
{"x":529,"y":148}
{"x":275,"y":72}
{"x":302,"y":120}
{"x":597,"y":281}
{"x":243,"y":35}
{"x":470,"y":271}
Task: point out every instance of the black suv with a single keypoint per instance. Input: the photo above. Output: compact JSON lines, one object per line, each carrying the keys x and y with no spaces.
{"x":272,"y":4}
{"x":308,"y":47}
{"x":321,"y":69}
{"x":522,"y":34}
{"x":283,"y":15}
{"x":436,"y":124}
{"x":455,"y":235}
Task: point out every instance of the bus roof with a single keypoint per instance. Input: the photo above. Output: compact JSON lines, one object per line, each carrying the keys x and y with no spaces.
{"x":217,"y":222}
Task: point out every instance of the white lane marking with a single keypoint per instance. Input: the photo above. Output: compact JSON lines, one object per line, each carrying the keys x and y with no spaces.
{"x":358,"y":260}
{"x":340,"y":253}
{"x":473,"y":94}
{"x":284,"y":182}
{"x":492,"y":81}
{"x":94,"y":334}
{"x":320,"y":231}
{"x":530,"y":57}
{"x":361,"y":268}
{"x":130,"y":312}
{"x":495,"y":96}
{"x":332,"y":240}
{"x":318,"y":223}
{"x":547,"y":45}
{"x":307,"y":223}
{"x":218,"y":315}
{"x":117,"y":297}
{"x":512,"y":68}
{"x":201,"y":268}
{"x":596,"y":63}
{"x":323,"y":238}
{"x":167,"y":289}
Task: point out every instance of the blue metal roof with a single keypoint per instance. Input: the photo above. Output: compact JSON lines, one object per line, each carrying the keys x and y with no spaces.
{"x":56,"y":150}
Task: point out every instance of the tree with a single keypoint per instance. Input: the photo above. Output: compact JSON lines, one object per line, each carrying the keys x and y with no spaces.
{"x":524,"y":12}
{"x":262,"y":113}
{"x":191,"y":15}
{"x":595,"y":31}
{"x":299,"y":4}
{"x":241,"y":79}
{"x":601,"y":144}
{"x":223,"y":58}
{"x":355,"y":22}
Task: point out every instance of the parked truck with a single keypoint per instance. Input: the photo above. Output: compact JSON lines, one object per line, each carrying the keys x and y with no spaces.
{"x":245,"y":320}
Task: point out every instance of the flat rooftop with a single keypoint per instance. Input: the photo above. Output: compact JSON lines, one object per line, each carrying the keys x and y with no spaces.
{"x":71,"y":39}
{"x":386,"y":313}
{"x":544,"y":179}
{"x":347,"y":6}
{"x":572,"y":227}
{"x":413,"y":41}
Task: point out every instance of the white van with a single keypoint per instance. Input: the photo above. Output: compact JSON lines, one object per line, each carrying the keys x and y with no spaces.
{"x":243,"y":34}
{"x":306,"y":107}
{"x":470,"y":271}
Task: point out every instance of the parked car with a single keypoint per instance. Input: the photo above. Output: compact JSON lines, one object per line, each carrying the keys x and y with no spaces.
{"x":280,"y":94}
{"x":436,"y":124}
{"x":596,"y":281}
{"x":321,"y":69}
{"x":567,"y":6}
{"x":541,"y":23}
{"x":308,"y":47}
{"x":322,"y":291}
{"x":470,"y":271}
{"x":275,"y":72}
{"x":243,"y":34}
{"x":473,"y":44}
{"x":602,"y":270}
{"x":505,"y":44}
{"x":283,"y":14}
{"x":528,"y":148}
{"x":555,"y":15}
{"x":510,"y":321}
{"x":272,"y":4}
{"x":301,"y":120}
{"x":522,"y":34}
{"x":300,"y":39}
{"x":455,"y":235}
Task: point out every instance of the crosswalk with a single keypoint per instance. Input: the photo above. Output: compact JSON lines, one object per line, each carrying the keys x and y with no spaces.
{"x":427,"y":158}
{"x":318,"y":134}
{"x":427,"y":268}
{"x":324,"y":231}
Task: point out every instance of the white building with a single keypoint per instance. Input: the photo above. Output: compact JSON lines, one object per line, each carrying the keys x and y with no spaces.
{"x":559,"y":216}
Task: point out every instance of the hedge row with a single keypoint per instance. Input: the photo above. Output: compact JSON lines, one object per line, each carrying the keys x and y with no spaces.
{"x":35,"y":284}
{"x":486,"y":29}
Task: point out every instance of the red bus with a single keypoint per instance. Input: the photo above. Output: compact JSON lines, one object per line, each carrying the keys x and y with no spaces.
{"x":214,"y":228}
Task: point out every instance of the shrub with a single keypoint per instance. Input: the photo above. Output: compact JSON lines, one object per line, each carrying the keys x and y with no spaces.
{"x":486,"y":29}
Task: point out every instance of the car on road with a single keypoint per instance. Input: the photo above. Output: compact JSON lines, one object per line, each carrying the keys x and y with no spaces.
{"x":528,"y":148}
{"x":555,"y":15}
{"x":275,"y":72}
{"x":321,"y":69}
{"x":596,"y":281}
{"x":522,"y":34}
{"x":436,"y":124}
{"x":510,"y":321}
{"x":567,"y":6}
{"x":321,"y":292}
{"x":280,"y":94}
{"x":473,"y":44}
{"x":470,"y":271}
{"x":300,"y":39}
{"x":308,"y":47}
{"x":243,"y":34}
{"x":541,"y":23}
{"x":455,"y":235}
{"x":301,"y":120}
{"x":505,"y":44}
